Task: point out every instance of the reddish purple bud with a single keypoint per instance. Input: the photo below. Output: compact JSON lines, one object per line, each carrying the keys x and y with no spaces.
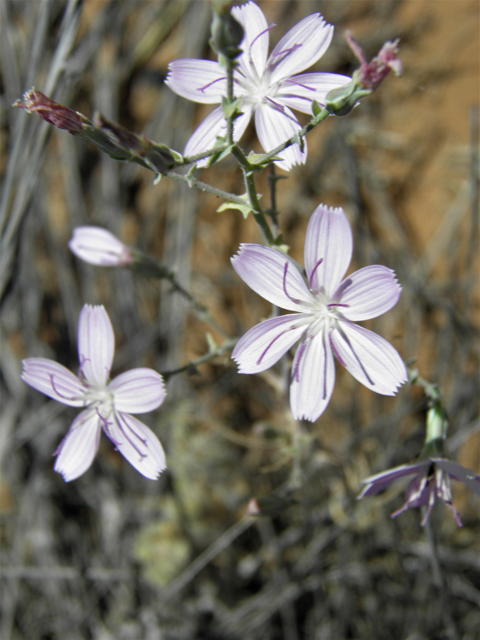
{"x":35,"y":101}
{"x":371,"y":74}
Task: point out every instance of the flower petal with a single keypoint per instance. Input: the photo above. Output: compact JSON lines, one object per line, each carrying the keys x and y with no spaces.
{"x":214,"y":125}
{"x":275,"y":124}
{"x":100,"y":247}
{"x":262,"y":346}
{"x":54,"y":380}
{"x":369,"y":358}
{"x":198,"y":80}
{"x":79,"y":447}
{"x":328,"y":248}
{"x":96,"y":344}
{"x":300,"y":91}
{"x":313,"y":377}
{"x":368,"y":293}
{"x":138,"y":390}
{"x":380,"y":481}
{"x":265,"y":271}
{"x":137,"y":444}
{"x":459,"y":473}
{"x":313,"y":35}
{"x":255,"y":39}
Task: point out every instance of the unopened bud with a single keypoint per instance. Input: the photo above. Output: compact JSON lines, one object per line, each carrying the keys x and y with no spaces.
{"x":227,"y":33}
{"x":99,"y":247}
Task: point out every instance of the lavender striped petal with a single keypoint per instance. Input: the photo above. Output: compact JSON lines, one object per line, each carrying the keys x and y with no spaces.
{"x":272,"y":275}
{"x":267,"y":342}
{"x":313,"y":35}
{"x":255,"y":39}
{"x":138,"y":444}
{"x":313,"y":378}
{"x":137,"y":390}
{"x":54,"y":381}
{"x":328,"y":248}
{"x":369,"y":358}
{"x":79,"y":447}
{"x":198,"y":80}
{"x":276,"y":126}
{"x":368,"y":293}
{"x":96,"y":344}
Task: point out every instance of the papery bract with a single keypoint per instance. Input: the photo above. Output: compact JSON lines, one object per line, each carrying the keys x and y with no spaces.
{"x":269,"y":88}
{"x":325,"y":312}
{"x":106,"y":403}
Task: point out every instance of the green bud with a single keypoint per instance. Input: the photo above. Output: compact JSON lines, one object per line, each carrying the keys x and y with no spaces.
{"x":227,"y":33}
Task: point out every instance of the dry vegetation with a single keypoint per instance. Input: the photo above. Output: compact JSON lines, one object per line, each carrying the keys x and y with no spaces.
{"x":113,"y":556}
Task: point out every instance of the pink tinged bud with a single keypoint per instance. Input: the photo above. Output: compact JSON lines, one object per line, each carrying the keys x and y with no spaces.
{"x":35,"y":101}
{"x":372,"y":73}
{"x":99,"y":247}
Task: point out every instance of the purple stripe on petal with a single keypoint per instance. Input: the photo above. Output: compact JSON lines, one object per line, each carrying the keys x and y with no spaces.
{"x":300,"y":91}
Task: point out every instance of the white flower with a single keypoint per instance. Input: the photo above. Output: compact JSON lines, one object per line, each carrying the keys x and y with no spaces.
{"x":268,"y":88}
{"x":325,"y":315}
{"x":136,"y":391}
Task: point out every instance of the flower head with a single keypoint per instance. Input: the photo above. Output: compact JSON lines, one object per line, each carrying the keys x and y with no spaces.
{"x":99,"y":247}
{"x":269,"y":87}
{"x":431,"y":480}
{"x":136,"y":391}
{"x":325,"y":311}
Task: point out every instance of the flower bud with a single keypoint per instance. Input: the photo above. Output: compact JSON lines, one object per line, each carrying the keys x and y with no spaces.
{"x":227,"y":33}
{"x":99,"y":247}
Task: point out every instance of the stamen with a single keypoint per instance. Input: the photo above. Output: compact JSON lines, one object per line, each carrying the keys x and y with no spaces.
{"x":284,"y":53}
{"x":118,"y":418}
{"x":299,"y":84}
{"x":310,"y":280}
{"x":52,"y":380}
{"x":202,"y":89}
{"x":335,"y":351}
{"x":345,"y":337}
{"x":337,"y":304}
{"x":300,"y":352}
{"x":276,"y":338}
{"x":285,"y":285}
{"x":259,"y":35}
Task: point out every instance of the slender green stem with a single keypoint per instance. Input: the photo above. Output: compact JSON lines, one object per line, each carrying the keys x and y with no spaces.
{"x":203,"y":186}
{"x":211,"y":355}
{"x":257,"y":210}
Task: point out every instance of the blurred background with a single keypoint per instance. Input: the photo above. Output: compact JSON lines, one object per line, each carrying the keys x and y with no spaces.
{"x":114,"y":556}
